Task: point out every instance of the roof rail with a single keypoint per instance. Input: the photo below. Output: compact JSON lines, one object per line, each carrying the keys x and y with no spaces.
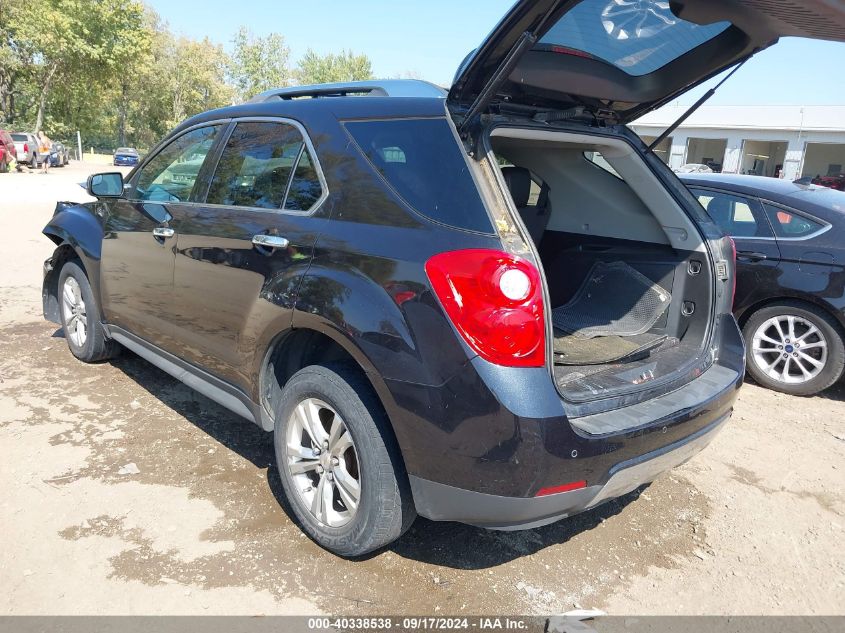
{"x":376,"y":88}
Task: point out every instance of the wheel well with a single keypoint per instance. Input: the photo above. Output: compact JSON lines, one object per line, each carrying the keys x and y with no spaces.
{"x":50,"y":294}
{"x":300,"y":348}
{"x":291,"y":352}
{"x":749,"y":311}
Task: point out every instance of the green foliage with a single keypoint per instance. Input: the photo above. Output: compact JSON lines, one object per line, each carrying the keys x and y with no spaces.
{"x":113,"y":70}
{"x":344,"y":66}
{"x":258,"y":63}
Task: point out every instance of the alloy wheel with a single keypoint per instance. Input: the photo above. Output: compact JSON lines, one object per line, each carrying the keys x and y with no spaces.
{"x":76,"y":317}
{"x":323,"y":462}
{"x":789,"y":349}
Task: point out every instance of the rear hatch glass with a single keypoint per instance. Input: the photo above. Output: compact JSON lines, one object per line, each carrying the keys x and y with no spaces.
{"x":635,"y":37}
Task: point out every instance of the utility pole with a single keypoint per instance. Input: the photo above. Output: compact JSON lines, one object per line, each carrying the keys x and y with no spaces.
{"x":79,"y":145}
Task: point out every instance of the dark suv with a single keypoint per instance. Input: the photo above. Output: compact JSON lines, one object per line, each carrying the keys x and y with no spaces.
{"x":493,"y":306}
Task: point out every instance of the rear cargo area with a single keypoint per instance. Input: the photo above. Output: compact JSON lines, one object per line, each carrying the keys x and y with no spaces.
{"x":628,"y":276}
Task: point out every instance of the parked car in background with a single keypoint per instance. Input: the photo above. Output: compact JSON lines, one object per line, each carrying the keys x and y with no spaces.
{"x":835,"y":181}
{"x":27,"y":147}
{"x":8,"y":151}
{"x":59,"y":155}
{"x":693,"y":168}
{"x":126,"y":156}
{"x":790,"y":294}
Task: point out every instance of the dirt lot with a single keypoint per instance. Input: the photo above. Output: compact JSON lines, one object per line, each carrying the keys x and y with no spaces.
{"x":754,"y":525}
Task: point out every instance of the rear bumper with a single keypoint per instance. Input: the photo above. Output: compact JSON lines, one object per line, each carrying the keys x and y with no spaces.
{"x":440,"y":502}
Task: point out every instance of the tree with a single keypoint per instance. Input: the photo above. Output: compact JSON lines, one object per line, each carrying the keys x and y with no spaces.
{"x":195,"y":78}
{"x":344,"y":66}
{"x":73,"y":36}
{"x":17,"y":62}
{"x":258,"y":63}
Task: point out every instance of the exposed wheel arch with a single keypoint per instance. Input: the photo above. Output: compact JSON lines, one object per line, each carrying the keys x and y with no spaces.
{"x":296,"y":348}
{"x":50,"y":288}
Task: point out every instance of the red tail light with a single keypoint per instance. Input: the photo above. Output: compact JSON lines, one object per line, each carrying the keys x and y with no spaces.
{"x":495,"y":301}
{"x":25,"y":148}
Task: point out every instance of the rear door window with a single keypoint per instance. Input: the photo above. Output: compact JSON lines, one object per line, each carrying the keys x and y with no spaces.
{"x":422,"y":162}
{"x":737,"y":216}
{"x":787,"y":223}
{"x":256,"y":165}
{"x":305,"y":187}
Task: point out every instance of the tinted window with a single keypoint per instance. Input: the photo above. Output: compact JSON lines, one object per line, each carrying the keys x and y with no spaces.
{"x":171,"y":174}
{"x":20,"y":137}
{"x":423,"y":162}
{"x":256,"y":165}
{"x":637,"y":37}
{"x":789,"y":224}
{"x":305,"y":188}
{"x":736,"y":215}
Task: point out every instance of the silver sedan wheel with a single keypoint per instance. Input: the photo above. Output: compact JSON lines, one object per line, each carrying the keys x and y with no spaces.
{"x":789,"y":349}
{"x":323,"y":463}
{"x":76,"y":318}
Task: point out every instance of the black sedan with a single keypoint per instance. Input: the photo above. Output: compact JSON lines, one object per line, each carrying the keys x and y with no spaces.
{"x":790,"y":295}
{"x":126,"y":156}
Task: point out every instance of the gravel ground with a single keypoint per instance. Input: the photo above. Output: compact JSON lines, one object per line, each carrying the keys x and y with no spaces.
{"x":753,"y":525}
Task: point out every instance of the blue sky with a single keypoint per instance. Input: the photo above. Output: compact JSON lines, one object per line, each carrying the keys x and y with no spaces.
{"x":430,"y":38}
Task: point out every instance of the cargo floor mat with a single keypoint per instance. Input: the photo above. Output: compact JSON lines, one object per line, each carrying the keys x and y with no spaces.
{"x":574,"y":350}
{"x":613,"y":300}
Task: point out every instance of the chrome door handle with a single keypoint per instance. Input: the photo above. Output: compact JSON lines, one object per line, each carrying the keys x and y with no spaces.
{"x":163,"y":232}
{"x":270,"y":241}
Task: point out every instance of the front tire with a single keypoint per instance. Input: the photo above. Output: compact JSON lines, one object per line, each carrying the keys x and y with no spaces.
{"x":79,"y":312}
{"x":339,"y":465}
{"x":794,"y":348}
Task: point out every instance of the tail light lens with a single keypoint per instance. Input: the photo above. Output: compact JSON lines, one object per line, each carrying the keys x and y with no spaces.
{"x":26,"y":148}
{"x":495,"y":301}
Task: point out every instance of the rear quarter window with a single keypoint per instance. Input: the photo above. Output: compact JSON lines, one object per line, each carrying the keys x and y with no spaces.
{"x":789,"y":224}
{"x":423,"y":163}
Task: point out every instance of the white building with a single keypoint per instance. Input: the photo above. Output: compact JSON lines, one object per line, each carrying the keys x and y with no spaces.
{"x":801,"y":140}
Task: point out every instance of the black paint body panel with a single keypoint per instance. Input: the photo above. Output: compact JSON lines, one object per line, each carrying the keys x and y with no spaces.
{"x":207,"y":305}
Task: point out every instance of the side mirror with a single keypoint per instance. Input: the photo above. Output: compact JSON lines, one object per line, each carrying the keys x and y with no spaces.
{"x":109,"y":185}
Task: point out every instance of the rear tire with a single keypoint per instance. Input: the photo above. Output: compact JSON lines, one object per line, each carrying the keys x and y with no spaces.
{"x":351,"y":495}
{"x":814,"y":350}
{"x":80,"y":316}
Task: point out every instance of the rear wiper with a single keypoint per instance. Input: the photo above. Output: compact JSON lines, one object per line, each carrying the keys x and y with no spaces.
{"x":695,"y":106}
